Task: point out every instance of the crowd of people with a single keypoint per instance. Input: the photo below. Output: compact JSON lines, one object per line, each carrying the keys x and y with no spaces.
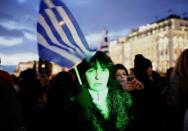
{"x":110,"y":98}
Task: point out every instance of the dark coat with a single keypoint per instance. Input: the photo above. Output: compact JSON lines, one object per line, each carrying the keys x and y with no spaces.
{"x":91,"y":119}
{"x":11,"y":116}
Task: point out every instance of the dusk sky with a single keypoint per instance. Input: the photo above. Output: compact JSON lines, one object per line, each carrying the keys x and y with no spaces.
{"x":18,"y":20}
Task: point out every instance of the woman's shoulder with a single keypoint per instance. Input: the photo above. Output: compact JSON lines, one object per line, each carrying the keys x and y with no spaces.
{"x":119,"y":92}
{"x":119,"y":95}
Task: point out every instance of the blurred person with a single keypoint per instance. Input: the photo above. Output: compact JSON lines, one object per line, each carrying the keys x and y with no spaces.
{"x":60,"y":102}
{"x":181,"y":73}
{"x":11,"y":115}
{"x":185,"y":126}
{"x":127,"y":81}
{"x":133,"y":86}
{"x":170,"y":100}
{"x":149,"y":102}
{"x":31,"y":96}
{"x":15,"y":82}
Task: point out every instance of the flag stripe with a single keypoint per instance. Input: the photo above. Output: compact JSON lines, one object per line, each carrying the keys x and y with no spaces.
{"x":48,"y":34}
{"x":49,"y":4}
{"x":59,"y":33}
{"x":77,"y":34}
{"x":53,"y":35}
{"x":53,"y":56}
{"x":42,"y":41}
{"x":43,"y":5}
{"x":50,"y":40}
{"x":65,"y":29}
{"x":56,"y":23}
{"x":50,"y":23}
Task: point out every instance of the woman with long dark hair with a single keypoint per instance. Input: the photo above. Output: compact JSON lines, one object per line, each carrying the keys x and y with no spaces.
{"x":103,"y":105}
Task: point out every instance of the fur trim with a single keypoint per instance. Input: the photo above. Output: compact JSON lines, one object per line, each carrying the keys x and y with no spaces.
{"x":119,"y":103}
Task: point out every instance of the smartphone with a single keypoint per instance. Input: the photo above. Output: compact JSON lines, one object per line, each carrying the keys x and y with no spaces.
{"x":130,"y":77}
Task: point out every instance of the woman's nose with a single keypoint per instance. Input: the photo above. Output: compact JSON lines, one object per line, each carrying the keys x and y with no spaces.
{"x":97,"y":74}
{"x":96,"y":77}
{"x":122,"y":76}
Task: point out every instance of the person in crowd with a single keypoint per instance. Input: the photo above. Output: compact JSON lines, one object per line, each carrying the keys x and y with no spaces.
{"x":149,"y":102}
{"x":103,"y":106}
{"x":171,"y":115}
{"x":181,"y":73}
{"x":185,"y":125}
{"x":128,"y":82}
{"x":15,"y":83}
{"x":60,"y":102}
{"x":31,"y":98}
{"x":11,"y":115}
{"x":131,"y":84}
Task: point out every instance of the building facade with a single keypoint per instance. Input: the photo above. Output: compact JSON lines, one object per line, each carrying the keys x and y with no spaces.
{"x":161,"y":42}
{"x":30,"y":65}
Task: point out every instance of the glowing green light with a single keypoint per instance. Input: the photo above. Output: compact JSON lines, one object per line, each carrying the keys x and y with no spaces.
{"x":107,"y":100}
{"x":97,"y":77}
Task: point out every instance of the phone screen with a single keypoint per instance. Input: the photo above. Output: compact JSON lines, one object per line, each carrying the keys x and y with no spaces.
{"x":130,"y":77}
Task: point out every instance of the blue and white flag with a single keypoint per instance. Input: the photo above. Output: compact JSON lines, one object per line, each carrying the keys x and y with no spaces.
{"x":59,"y":36}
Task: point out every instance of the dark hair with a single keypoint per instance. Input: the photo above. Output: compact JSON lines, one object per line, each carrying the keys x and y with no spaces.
{"x":147,"y":63}
{"x":120,"y":66}
{"x":5,"y":76}
{"x":103,"y":59}
{"x":62,"y":88}
{"x":138,"y":61}
{"x":63,"y":80}
{"x":28,"y":74}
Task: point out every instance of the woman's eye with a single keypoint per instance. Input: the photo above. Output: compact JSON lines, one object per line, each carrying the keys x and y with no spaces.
{"x":91,"y":70}
{"x":104,"y":69}
{"x":124,"y":74}
{"x":118,"y":75}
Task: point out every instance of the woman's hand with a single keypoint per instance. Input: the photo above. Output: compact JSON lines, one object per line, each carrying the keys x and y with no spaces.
{"x":134,"y":84}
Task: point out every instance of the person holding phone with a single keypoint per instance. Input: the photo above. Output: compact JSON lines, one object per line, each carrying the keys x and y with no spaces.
{"x":127,"y":81}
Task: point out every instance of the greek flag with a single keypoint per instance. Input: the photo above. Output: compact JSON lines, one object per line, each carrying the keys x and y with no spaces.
{"x":59,"y":36}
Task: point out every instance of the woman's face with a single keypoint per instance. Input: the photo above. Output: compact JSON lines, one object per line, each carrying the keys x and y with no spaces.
{"x":121,"y":76}
{"x":97,"y":77}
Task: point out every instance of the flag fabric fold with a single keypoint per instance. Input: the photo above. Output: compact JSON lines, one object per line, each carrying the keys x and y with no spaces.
{"x":59,"y":36}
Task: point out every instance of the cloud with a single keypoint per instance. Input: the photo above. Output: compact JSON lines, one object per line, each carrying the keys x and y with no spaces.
{"x":10,"y":33}
{"x":10,"y":41}
{"x":94,"y":39}
{"x":14,"y":59}
{"x":13,"y":25}
{"x":119,"y":33}
{"x":13,"y":33}
{"x":30,"y":36}
{"x":21,"y":1}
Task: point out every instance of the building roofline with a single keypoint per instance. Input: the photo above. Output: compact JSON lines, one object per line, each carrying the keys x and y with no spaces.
{"x":172,"y":16}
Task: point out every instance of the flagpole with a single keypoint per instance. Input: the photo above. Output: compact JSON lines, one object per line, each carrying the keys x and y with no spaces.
{"x":78,"y":75}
